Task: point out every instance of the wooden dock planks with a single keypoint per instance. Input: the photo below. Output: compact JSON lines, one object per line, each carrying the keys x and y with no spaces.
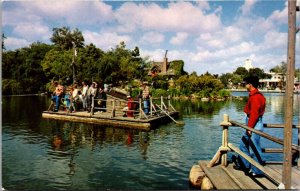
{"x":229,"y":178}
{"x":219,"y":177}
{"x":277,"y":169}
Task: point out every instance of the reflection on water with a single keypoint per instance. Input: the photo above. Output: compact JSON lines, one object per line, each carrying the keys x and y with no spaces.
{"x":48,"y":154}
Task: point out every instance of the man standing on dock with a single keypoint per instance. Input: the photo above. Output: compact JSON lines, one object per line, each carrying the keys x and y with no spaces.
{"x":250,"y":142}
{"x":146,"y":97}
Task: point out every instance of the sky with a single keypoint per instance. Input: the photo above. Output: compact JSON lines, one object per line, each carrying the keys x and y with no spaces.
{"x":209,"y":36}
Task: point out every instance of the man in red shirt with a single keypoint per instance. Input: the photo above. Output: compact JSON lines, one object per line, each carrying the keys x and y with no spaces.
{"x":250,"y":142}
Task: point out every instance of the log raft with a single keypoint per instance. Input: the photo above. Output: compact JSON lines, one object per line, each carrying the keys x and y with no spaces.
{"x":106,"y":119}
{"x":115,"y":115}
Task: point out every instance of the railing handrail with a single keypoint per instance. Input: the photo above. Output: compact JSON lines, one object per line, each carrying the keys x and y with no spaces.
{"x":226,"y":146}
{"x":265,"y":135}
{"x":116,"y":107}
{"x":279,"y":126}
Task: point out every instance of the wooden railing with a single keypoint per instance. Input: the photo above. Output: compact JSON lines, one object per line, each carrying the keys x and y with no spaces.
{"x":116,"y":105}
{"x":226,"y":147}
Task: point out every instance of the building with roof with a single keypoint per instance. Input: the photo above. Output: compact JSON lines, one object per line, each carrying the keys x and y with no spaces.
{"x":161,"y":68}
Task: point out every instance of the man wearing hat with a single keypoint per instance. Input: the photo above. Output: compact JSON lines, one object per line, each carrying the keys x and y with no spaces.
{"x":250,"y":142}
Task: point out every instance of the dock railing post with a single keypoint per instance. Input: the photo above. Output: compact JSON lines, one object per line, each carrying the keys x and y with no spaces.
{"x":151,"y":106}
{"x":113,"y":112}
{"x":140,"y":108}
{"x":93,"y":105}
{"x":225,"y":123}
{"x":169,"y":101}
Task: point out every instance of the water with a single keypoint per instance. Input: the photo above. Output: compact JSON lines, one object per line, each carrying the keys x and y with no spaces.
{"x":44,"y":154}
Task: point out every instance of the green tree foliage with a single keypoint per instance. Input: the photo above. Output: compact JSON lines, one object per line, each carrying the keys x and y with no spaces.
{"x":64,"y":38}
{"x":177,"y":66}
{"x":280,"y":68}
{"x":205,"y":85}
{"x":88,"y":63}
{"x":242,"y":71}
{"x":57,"y":64}
{"x":259,"y":73}
{"x":22,"y":70}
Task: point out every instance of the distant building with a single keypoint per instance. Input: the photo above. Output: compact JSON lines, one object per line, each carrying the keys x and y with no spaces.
{"x":161,"y":68}
{"x":248,"y":64}
{"x":276,"y":81}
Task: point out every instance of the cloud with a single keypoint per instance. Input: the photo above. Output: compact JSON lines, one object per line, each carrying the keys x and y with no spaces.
{"x":105,"y":40}
{"x":177,"y":16}
{"x":152,"y":38}
{"x":15,"y":43}
{"x":74,"y":12}
{"x":248,"y":5}
{"x":179,"y":38}
{"x":280,"y":16}
{"x":220,"y":39}
{"x":32,"y":31}
{"x":274,"y":40}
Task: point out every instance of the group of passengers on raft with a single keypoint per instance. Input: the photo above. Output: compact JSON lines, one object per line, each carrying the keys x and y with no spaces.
{"x":72,"y":98}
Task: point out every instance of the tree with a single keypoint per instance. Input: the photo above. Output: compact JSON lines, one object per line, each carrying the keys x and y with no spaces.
{"x":64,"y":38}
{"x":89,"y":62}
{"x":242,"y":71}
{"x":3,"y":37}
{"x":259,"y":73}
{"x":57,"y":64}
{"x":22,"y":71}
{"x":177,"y":66}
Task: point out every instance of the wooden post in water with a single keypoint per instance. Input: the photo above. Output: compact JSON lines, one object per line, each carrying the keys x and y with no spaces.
{"x":288,"y":118}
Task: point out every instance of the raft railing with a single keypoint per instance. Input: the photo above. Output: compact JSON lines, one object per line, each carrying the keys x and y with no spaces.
{"x":227,"y":147}
{"x":117,"y":105}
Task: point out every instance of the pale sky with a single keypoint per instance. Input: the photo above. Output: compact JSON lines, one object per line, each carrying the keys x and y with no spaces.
{"x":209,"y":36}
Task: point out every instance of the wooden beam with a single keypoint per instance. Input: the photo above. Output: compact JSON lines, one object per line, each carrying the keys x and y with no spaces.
{"x":289,"y":93}
{"x":268,"y":173}
{"x":274,"y":150}
{"x":279,"y":126}
{"x":265,"y":135}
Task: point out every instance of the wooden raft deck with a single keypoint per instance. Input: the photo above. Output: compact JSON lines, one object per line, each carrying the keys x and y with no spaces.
{"x":106,"y":119}
{"x":229,"y":178}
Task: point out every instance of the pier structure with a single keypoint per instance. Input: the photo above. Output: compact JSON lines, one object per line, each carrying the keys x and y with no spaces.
{"x":219,"y":173}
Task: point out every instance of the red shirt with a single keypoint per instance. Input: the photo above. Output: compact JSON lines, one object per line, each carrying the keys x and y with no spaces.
{"x":130,"y":105}
{"x":255,"y":107}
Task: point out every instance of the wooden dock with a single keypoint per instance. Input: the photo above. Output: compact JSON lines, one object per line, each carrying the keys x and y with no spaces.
{"x":106,"y":119}
{"x":226,"y":177}
{"x":218,"y":173}
{"x":113,"y":114}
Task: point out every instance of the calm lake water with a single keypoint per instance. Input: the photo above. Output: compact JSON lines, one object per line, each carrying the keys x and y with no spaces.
{"x":41,"y":154}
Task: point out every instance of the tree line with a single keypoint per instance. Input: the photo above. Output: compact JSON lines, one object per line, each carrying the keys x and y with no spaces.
{"x":32,"y":69}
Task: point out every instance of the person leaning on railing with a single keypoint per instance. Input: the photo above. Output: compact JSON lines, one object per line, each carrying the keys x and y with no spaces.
{"x":250,"y":142}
